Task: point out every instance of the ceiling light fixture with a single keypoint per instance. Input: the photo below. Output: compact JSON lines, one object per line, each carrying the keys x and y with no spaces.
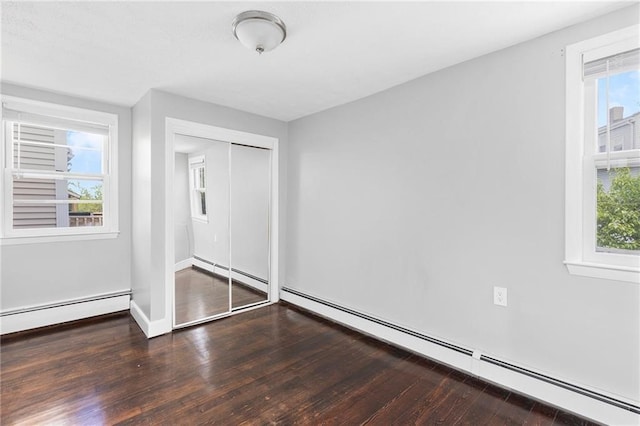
{"x":258,"y":30}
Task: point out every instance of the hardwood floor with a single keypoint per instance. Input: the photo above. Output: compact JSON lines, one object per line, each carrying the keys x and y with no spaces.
{"x":274,"y":365}
{"x":200,"y":294}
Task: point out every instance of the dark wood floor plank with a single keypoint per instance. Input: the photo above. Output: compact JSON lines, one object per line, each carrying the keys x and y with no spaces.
{"x":274,"y":365}
{"x":516,"y":409}
{"x":471,"y":390}
{"x":564,"y":418}
{"x":358,"y":405}
{"x":414,"y":399}
{"x":200,"y":294}
{"x":541,"y":415}
{"x":485,"y":406}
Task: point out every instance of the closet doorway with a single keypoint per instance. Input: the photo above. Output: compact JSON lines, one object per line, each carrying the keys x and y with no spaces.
{"x":223,"y":217}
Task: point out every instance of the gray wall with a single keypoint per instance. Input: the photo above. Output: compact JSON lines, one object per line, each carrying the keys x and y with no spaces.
{"x":410,"y":205}
{"x":183,"y":231}
{"x":250,"y":176}
{"x":35,"y":274}
{"x":160,"y":105}
{"x":239,"y":187}
{"x":211,"y":239}
{"x":141,"y":205}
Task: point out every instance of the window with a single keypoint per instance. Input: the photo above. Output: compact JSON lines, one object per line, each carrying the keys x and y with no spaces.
{"x":603,"y":157}
{"x":198,"y":193}
{"x":59,"y":172}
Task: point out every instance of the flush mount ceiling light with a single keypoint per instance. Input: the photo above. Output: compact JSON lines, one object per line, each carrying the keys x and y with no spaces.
{"x":259,"y":31}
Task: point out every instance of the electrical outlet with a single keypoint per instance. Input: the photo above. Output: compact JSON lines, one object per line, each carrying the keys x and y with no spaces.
{"x":500,"y":296}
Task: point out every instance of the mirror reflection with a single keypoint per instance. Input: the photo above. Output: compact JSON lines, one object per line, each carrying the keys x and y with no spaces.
{"x":201,"y":217}
{"x":250,"y":194}
{"x":221,"y":217}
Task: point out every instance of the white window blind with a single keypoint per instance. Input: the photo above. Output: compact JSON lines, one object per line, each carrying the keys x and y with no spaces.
{"x":24,"y":117}
{"x":621,"y":62}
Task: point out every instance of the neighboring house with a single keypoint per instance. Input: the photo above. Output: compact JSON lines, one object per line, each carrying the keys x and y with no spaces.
{"x":35,"y":154}
{"x":73,"y":195}
{"x":624,"y":131}
{"x":624,"y":135}
{"x":40,"y":149}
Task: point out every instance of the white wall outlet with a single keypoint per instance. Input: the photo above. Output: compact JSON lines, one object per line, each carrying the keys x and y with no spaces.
{"x":500,"y":296}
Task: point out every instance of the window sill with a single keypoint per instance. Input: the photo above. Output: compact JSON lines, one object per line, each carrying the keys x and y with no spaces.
{"x":608,"y":272}
{"x":9,"y":241}
{"x":200,"y":219}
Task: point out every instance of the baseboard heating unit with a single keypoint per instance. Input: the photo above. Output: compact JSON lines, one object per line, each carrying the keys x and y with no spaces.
{"x":571,"y":397}
{"x":29,"y":317}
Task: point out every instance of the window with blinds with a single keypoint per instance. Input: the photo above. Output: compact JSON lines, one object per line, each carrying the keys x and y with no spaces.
{"x":58,"y":174}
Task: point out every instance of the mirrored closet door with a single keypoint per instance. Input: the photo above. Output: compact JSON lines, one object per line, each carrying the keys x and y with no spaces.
{"x":250,"y":194}
{"x":221,"y":218}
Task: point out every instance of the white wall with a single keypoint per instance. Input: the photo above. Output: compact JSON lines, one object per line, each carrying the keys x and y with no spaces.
{"x":250,"y":176}
{"x":211,"y":239}
{"x":162,"y":105}
{"x":410,"y":205}
{"x":47,"y":273}
{"x":141,"y":205}
{"x":182,"y":209}
{"x":237,"y":194}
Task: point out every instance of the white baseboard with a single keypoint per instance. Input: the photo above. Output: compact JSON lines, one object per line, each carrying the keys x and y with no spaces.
{"x":560,"y":397}
{"x":184,"y":264}
{"x":41,"y":316}
{"x":208,"y":267}
{"x":258,"y":285}
{"x":250,"y":282}
{"x":148,"y":327}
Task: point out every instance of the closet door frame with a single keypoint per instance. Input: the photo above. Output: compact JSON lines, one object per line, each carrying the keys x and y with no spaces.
{"x":174,"y":126}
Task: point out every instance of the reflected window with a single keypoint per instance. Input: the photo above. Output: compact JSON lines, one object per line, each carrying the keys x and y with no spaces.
{"x":198,"y":184}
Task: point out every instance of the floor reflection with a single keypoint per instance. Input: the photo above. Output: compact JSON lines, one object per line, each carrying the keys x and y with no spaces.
{"x":200,"y":294}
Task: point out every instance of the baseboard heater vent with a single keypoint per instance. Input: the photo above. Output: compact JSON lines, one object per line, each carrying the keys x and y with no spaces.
{"x":65,"y":303}
{"x":574,"y":388}
{"x":215,"y":265}
{"x":237,"y":271}
{"x":381,"y":322}
{"x":586,"y":392}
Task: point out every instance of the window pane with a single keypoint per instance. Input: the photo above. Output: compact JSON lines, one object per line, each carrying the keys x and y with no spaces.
{"x":198,"y":178}
{"x":618,"y":210}
{"x":85,"y":202}
{"x":203,"y":204}
{"x":27,"y":216}
{"x":90,"y":216}
{"x":57,"y":203}
{"x":43,"y":148}
{"x":87,"y":151}
{"x":33,"y":148}
{"x":624,"y":110}
{"x":201,"y":177}
{"x":195,"y":177}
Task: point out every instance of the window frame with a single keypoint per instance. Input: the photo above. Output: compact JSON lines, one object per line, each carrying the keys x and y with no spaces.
{"x":198,"y":162}
{"x":582,"y":159}
{"x":52,"y":111}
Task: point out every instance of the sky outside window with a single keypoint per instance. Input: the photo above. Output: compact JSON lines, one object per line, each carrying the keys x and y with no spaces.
{"x":624,"y":90}
{"x":87,"y":150}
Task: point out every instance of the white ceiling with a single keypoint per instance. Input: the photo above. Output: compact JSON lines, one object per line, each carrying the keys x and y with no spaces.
{"x":335,"y":52}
